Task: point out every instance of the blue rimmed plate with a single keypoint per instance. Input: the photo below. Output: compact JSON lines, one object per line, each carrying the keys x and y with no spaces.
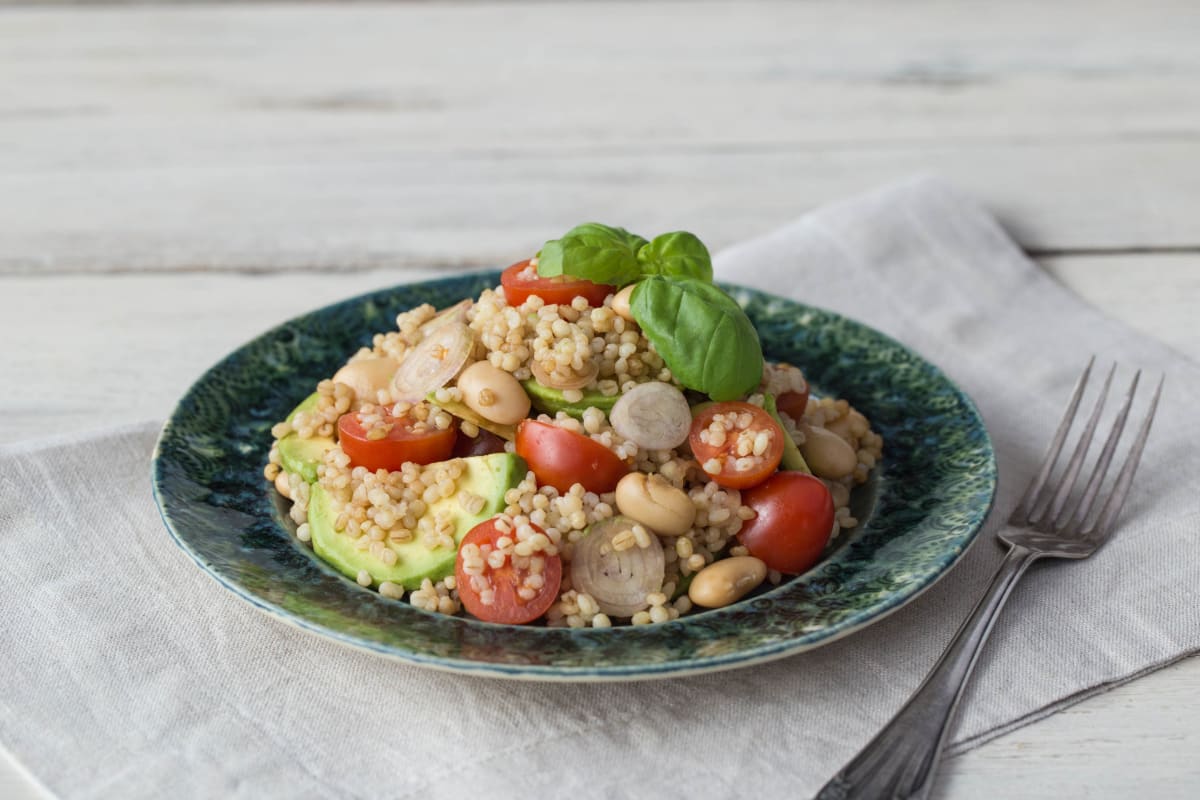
{"x":923,"y":505}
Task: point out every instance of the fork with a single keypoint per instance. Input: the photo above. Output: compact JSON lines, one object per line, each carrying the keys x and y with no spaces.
{"x":901,"y":761}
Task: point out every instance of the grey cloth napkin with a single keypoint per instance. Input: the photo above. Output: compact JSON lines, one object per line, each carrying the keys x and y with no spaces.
{"x":126,"y":672}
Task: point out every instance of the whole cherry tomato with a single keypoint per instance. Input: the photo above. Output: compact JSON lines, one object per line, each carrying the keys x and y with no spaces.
{"x":792,"y":522}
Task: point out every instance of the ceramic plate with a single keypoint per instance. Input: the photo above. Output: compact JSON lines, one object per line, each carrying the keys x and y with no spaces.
{"x":923,"y":505}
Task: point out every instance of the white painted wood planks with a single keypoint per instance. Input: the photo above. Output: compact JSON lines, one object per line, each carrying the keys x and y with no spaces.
{"x":235,"y":138}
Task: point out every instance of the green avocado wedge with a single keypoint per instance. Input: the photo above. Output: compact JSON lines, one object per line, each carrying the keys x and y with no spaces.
{"x":463,"y":411}
{"x":303,"y":455}
{"x":792,"y":459}
{"x":489,"y":476}
{"x":551,"y":401}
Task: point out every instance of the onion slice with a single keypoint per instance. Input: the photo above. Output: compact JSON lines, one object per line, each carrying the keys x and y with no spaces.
{"x":433,"y":363}
{"x":653,"y":415}
{"x":579,"y":380}
{"x":454,"y":313}
{"x":619,"y":580}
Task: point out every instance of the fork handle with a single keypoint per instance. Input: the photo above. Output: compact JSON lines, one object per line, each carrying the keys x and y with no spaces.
{"x":901,"y":761}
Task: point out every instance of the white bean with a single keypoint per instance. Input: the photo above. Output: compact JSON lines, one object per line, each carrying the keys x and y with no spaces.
{"x":827,"y":454}
{"x":620,"y":303}
{"x":726,"y":581}
{"x":367,"y":376}
{"x":493,"y":393}
{"x":658,"y":505}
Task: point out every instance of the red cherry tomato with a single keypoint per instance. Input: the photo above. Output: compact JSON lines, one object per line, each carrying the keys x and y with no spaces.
{"x":793,"y":403}
{"x":407,"y":440}
{"x":755,"y":469}
{"x":559,"y":458}
{"x":560,"y":290}
{"x":507,"y":606}
{"x":792,"y":523}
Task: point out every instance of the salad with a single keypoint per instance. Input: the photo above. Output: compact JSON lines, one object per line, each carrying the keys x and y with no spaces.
{"x":597,"y":441}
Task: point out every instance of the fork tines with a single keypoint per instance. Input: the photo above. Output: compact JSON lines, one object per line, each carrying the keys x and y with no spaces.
{"x":1046,"y":505}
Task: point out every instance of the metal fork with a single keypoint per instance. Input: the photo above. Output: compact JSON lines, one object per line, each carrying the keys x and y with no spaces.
{"x":901,"y":761}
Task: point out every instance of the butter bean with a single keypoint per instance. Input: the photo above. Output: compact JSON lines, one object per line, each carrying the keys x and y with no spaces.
{"x":493,"y":393}
{"x":726,"y":581}
{"x":367,"y":376}
{"x":827,"y":454}
{"x":620,"y":303}
{"x":655,"y":503}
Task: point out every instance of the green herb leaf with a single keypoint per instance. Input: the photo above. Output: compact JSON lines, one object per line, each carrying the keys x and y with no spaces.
{"x":679,"y":254}
{"x":550,"y":259}
{"x":595,"y":252}
{"x":595,"y":229}
{"x":702,"y":334}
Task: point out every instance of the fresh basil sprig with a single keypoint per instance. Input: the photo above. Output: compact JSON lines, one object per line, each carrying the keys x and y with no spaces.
{"x":677,"y":255}
{"x":702,"y":334}
{"x":595,"y":252}
{"x":603,"y":254}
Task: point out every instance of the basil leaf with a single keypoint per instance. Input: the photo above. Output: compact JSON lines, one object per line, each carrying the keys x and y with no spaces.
{"x":550,"y":259}
{"x":702,"y":334}
{"x":595,"y":252}
{"x":595,"y":229}
{"x":679,"y":254}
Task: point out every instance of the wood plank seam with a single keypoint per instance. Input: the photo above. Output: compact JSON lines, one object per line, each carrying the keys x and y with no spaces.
{"x":468,"y":264}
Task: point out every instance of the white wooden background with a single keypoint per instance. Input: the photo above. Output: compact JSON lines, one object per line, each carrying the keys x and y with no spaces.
{"x":174,"y":180}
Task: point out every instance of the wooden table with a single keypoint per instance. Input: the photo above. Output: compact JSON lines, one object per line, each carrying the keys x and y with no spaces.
{"x":174,"y":180}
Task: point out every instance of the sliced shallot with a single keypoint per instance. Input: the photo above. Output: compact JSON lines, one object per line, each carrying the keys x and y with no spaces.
{"x":616,"y":572}
{"x":577,"y":381}
{"x":455,"y":313}
{"x":653,"y":415}
{"x":433,"y":363}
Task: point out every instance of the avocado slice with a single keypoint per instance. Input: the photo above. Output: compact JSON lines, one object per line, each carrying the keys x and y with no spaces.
{"x":303,"y":455}
{"x":464,"y":411}
{"x":792,"y":459}
{"x":489,"y":476}
{"x":551,"y":401}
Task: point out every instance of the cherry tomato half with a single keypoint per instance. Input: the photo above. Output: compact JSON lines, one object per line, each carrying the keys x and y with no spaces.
{"x":407,"y":440}
{"x":792,"y":523}
{"x":560,"y":290}
{"x":507,"y":606}
{"x":560,"y":458}
{"x":748,"y":421}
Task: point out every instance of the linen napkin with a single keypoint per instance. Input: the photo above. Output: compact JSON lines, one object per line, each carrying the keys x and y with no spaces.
{"x":126,"y":672}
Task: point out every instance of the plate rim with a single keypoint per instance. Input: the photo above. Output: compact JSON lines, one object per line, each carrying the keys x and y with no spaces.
{"x":757,"y":654}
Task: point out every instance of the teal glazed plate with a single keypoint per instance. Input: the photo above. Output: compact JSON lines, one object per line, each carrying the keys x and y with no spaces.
{"x":923,"y":505}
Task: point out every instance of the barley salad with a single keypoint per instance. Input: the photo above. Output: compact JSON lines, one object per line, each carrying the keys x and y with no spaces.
{"x":597,"y":441}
